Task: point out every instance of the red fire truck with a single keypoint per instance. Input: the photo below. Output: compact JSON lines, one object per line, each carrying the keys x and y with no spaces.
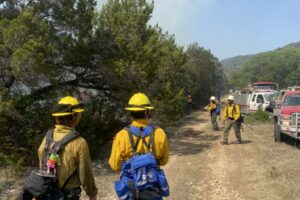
{"x":288,"y":123}
{"x":264,"y":86}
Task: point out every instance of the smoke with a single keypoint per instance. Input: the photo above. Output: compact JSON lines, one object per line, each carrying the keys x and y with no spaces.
{"x":181,"y":17}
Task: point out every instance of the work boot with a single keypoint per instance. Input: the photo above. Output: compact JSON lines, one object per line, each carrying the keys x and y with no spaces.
{"x":224,"y":142}
{"x":238,"y":142}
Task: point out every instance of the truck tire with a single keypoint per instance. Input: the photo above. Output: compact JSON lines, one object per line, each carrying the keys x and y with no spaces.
{"x":268,"y":109}
{"x":278,"y":137}
{"x":275,"y":120}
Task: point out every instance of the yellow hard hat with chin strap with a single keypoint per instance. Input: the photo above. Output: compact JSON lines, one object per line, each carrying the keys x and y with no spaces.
{"x":139,"y":102}
{"x":67,"y":106}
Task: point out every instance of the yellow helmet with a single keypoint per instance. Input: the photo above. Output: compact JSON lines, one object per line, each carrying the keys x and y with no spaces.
{"x":139,"y":102}
{"x":67,"y":106}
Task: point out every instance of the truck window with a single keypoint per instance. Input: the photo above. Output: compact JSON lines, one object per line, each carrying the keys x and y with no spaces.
{"x":253,"y":98}
{"x":260,"y":99}
{"x":269,"y":97}
{"x":292,"y":100}
{"x":264,"y":87}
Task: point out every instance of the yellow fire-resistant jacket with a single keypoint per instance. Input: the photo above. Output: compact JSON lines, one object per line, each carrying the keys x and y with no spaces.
{"x":211,"y":106}
{"x":121,"y":149}
{"x":75,"y":156}
{"x":229,"y":112}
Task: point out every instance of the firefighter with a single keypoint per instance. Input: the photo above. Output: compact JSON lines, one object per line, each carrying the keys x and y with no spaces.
{"x":76,"y":156}
{"x":74,"y":167}
{"x":231,"y":117}
{"x":123,"y":148}
{"x":189,"y":103}
{"x":214,"y":112}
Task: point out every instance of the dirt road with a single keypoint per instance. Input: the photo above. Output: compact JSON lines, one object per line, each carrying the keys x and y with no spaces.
{"x":201,"y":168}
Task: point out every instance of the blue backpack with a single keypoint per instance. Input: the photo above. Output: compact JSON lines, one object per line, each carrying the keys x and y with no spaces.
{"x":218,"y":110}
{"x":141,"y":177}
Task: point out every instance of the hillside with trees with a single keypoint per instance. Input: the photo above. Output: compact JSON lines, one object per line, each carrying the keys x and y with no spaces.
{"x":234,"y":62}
{"x":50,"y":49}
{"x":281,"y":66}
{"x":293,"y":44}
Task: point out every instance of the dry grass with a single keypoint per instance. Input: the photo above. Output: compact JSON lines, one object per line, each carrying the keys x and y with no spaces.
{"x":276,"y":165}
{"x":10,"y":182}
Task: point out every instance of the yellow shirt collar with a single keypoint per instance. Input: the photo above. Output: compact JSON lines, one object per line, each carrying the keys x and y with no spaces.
{"x":140,"y":122}
{"x":63,"y":129}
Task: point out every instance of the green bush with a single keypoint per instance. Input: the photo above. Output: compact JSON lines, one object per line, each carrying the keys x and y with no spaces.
{"x":108,"y":56}
{"x":259,"y":116}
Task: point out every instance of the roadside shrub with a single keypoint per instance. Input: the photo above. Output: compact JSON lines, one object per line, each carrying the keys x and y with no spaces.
{"x":259,"y":116}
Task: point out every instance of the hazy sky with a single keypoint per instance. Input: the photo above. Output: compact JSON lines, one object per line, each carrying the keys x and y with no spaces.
{"x":230,"y":27}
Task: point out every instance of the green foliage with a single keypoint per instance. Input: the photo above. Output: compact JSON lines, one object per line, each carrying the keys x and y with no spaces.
{"x":98,"y":123}
{"x":203,"y":74}
{"x":259,"y":116}
{"x":148,"y":59}
{"x":50,"y":49}
{"x":233,"y":63}
{"x":127,"y":22}
{"x":12,"y":158}
{"x":293,"y":44}
{"x":281,"y":66}
{"x":13,"y":134}
{"x":10,"y":8}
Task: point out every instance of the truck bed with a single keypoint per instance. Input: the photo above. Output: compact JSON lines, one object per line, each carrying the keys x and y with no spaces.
{"x":243,"y":101}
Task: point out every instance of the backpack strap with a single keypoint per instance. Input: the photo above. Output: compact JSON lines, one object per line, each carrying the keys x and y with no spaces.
{"x":149,"y":146}
{"x":227,"y":110}
{"x":67,"y":181}
{"x":49,"y":139}
{"x":61,"y":143}
{"x":48,"y":146}
{"x":55,"y":147}
{"x":153,"y":128}
{"x":234,"y":108}
{"x":133,"y":145}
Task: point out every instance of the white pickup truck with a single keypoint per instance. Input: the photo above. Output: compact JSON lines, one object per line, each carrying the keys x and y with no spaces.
{"x":253,"y":101}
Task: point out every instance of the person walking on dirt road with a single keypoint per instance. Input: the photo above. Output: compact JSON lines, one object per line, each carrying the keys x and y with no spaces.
{"x":138,"y":151}
{"x":231,"y":116}
{"x":189,"y":103}
{"x":214,"y":112}
{"x":71,"y":166}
